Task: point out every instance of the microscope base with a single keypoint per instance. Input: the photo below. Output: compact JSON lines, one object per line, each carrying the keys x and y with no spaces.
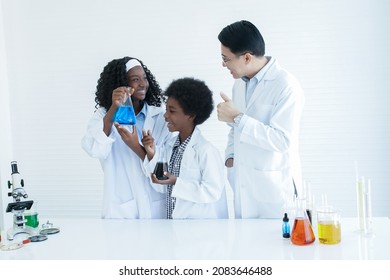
{"x":12,"y":232}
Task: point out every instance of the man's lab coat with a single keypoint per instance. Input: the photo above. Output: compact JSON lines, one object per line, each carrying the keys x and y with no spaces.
{"x":265,"y":145}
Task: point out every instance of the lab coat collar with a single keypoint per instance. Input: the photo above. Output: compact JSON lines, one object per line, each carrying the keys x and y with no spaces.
{"x":144,"y":108}
{"x":196,"y":139}
{"x":196,"y":135}
{"x":153,"y":110}
{"x":152,"y":113}
{"x":273,"y":69}
{"x":263,"y":73}
{"x":271,"y":73}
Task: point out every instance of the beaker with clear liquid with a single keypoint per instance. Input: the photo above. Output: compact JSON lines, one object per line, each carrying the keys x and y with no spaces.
{"x":125,"y":113}
{"x":302,"y":231}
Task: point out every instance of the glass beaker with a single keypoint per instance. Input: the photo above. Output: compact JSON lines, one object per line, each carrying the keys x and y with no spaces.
{"x":31,"y":219}
{"x":125,"y":113}
{"x":31,"y":216}
{"x":302,"y":232}
{"x":161,"y":165}
{"x":329,"y":229}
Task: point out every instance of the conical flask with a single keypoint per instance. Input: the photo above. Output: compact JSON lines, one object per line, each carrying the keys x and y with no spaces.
{"x":302,"y":232}
{"x":161,"y":165}
{"x":125,"y":113}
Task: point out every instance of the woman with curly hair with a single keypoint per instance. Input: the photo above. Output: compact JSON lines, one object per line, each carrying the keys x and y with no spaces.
{"x":127,"y":191}
{"x":195,"y":181}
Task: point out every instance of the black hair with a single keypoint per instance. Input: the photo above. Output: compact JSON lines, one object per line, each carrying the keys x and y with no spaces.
{"x":193,"y":95}
{"x":114,"y":75}
{"x":241,"y":37}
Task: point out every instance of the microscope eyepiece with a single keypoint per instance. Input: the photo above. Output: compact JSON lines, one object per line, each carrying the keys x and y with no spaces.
{"x":14,"y":167}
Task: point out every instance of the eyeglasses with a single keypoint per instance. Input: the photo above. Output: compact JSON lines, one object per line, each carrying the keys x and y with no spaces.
{"x":225,"y":59}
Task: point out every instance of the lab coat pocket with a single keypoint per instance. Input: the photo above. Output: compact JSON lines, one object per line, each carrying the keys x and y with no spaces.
{"x":189,"y":210}
{"x":127,"y":210}
{"x":268,"y":187}
{"x":123,"y":193}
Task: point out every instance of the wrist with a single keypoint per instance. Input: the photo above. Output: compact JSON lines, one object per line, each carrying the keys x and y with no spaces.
{"x":149,"y":154}
{"x":237,"y":119}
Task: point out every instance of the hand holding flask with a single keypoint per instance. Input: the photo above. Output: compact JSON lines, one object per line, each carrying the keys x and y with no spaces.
{"x":125,"y":113}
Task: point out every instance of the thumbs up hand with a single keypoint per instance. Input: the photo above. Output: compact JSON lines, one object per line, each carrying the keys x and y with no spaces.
{"x":226,"y":110}
{"x":149,"y":144}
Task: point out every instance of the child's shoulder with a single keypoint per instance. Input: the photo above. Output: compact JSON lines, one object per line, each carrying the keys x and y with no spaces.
{"x":202,"y":142}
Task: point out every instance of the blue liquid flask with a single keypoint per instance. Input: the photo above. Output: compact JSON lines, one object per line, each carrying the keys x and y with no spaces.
{"x":125,"y":113}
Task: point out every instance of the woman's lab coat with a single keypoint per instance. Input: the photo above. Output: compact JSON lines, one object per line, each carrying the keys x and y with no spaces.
{"x":200,"y":188}
{"x":265,"y":145}
{"x":127,"y":191}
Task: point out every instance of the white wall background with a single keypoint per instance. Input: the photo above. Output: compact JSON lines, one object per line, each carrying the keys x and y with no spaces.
{"x":54,"y":52}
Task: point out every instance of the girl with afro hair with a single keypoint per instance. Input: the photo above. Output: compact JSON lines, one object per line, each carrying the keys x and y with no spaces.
{"x":127,"y":191}
{"x":195,"y":181}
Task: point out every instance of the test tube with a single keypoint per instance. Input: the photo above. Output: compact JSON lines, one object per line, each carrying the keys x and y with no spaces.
{"x":361,"y":203}
{"x":367,"y":208}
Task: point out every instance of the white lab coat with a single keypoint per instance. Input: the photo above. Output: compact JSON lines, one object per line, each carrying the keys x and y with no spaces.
{"x":127,"y":191}
{"x":200,"y":188}
{"x":265,"y":145}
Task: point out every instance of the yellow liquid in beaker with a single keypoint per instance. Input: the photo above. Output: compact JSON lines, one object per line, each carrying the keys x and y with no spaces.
{"x":329,"y":232}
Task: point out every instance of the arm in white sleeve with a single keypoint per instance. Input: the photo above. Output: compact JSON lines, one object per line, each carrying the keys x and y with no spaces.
{"x":95,"y":142}
{"x":229,"y":151}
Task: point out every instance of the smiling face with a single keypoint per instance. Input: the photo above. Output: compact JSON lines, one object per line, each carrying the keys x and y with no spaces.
{"x":177,"y":120}
{"x":235,"y":63}
{"x":138,"y":80}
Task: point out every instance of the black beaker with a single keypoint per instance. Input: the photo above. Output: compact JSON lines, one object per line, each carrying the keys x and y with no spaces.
{"x":159,"y":170}
{"x":161,"y":166}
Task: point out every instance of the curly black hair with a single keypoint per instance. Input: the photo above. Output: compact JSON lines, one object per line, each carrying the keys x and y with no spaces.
{"x":193,"y":95}
{"x":114,"y":75}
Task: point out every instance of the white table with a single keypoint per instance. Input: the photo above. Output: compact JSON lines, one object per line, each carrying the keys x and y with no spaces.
{"x":252,"y":239}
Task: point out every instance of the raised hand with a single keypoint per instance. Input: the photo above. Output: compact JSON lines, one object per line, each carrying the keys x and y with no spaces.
{"x":149,"y":144}
{"x":226,"y":110}
{"x":129,"y":137}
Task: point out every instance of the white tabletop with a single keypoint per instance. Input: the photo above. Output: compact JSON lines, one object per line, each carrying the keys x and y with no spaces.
{"x":251,"y":239}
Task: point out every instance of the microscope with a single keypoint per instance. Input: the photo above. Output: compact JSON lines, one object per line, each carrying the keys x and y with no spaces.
{"x":18,"y":206}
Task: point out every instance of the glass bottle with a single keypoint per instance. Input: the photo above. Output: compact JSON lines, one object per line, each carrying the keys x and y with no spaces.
{"x":302,"y":232}
{"x":286,"y":226}
{"x":125,"y":113}
{"x":161,"y":165}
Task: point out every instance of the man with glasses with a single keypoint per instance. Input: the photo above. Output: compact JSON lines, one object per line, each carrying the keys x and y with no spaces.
{"x":264,"y":115}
